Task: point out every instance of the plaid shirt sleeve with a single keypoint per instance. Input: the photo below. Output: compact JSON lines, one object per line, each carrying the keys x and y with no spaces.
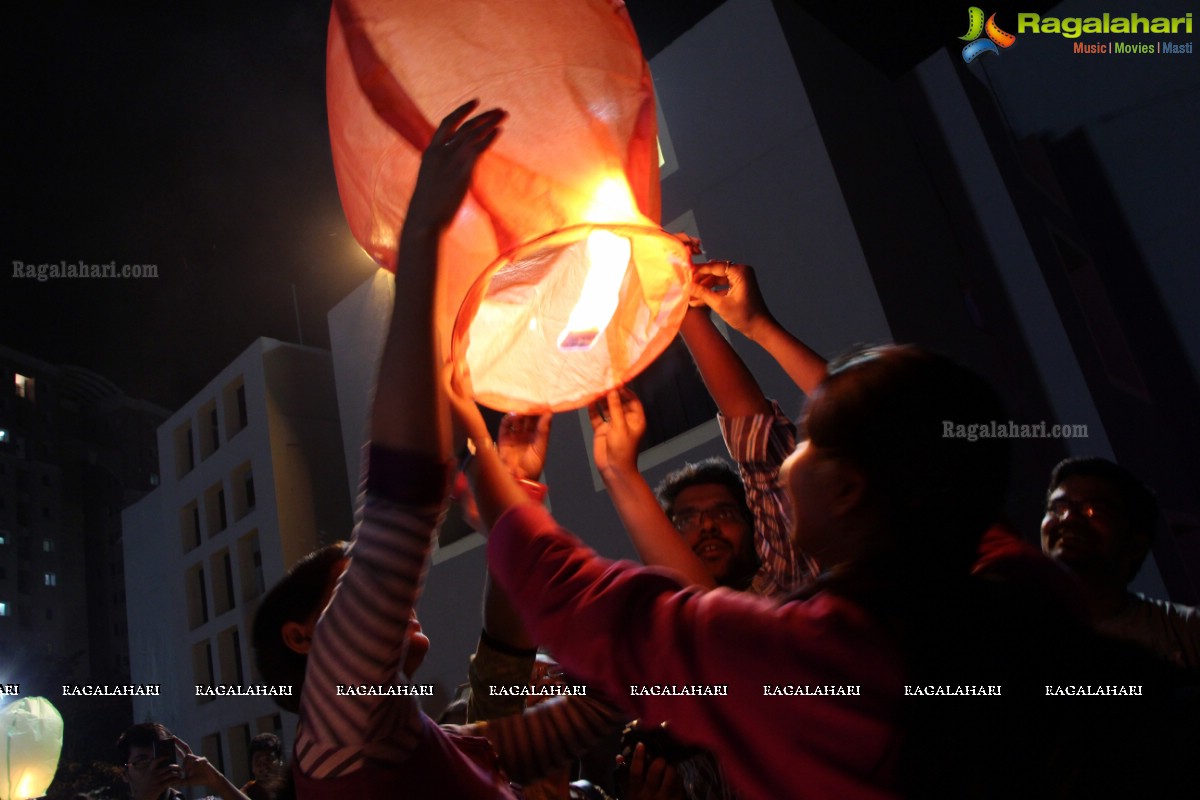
{"x":760,"y":444}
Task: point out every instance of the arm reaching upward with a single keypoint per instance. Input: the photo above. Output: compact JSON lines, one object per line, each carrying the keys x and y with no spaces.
{"x":618,"y":422}
{"x":367,"y":630}
{"x":732,"y":291}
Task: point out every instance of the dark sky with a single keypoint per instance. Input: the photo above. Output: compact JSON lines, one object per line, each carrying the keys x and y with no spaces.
{"x":190,"y":136}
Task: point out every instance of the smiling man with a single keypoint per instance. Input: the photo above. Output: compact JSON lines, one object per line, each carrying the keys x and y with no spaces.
{"x":1099,"y":523}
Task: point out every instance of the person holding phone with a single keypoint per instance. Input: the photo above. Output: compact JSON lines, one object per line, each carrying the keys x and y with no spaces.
{"x":153,"y":763}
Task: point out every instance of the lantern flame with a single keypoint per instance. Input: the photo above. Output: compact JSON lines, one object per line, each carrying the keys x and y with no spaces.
{"x":612,"y":202}
{"x":28,"y":787}
{"x":607,"y":259}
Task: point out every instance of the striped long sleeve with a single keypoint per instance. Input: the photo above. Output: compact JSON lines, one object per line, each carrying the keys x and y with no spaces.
{"x":361,"y":638}
{"x":760,"y":444}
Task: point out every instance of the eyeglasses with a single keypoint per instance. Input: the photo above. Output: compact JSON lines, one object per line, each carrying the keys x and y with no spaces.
{"x":688,"y":521}
{"x":1087,"y":509}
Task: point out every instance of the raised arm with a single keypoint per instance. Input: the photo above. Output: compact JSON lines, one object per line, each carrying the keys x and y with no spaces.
{"x":409,"y":411}
{"x":732,"y":291}
{"x":505,"y":653}
{"x":364,"y":634}
{"x":618,"y":422}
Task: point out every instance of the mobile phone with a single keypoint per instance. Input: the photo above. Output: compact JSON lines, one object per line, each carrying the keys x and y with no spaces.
{"x":165,"y":753}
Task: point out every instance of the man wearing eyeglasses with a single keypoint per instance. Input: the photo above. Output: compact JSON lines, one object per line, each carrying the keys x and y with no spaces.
{"x":706,"y":502}
{"x":735,"y":523}
{"x":153,"y":762}
{"x":1099,"y":523}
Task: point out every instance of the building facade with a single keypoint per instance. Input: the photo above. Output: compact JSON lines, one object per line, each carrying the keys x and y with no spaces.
{"x":252,"y":480}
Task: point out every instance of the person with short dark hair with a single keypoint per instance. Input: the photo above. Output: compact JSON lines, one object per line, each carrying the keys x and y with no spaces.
{"x":152,"y":775}
{"x":294,"y":603}
{"x":1100,"y":522}
{"x":266,"y":764}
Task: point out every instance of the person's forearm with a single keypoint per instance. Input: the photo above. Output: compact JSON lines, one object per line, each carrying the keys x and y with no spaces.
{"x":653,"y":536}
{"x":495,"y":489}
{"x":224,"y":789}
{"x":409,"y":412}
{"x":802,"y":364}
{"x":726,"y":377}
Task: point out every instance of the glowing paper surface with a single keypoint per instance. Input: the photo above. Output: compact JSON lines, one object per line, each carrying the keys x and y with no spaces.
{"x":578,"y":155}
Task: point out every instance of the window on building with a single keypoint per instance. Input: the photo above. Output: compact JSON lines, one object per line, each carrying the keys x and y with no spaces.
{"x":189,"y":525}
{"x":233,"y":399}
{"x":242,"y":480}
{"x":23,"y":386}
{"x":202,"y":666}
{"x":3,"y":609}
{"x":237,"y":656}
{"x":215,"y":515}
{"x":222,"y":572}
{"x":250,"y":566}
{"x":260,"y":583}
{"x":185,"y":453}
{"x":197,"y":597}
{"x":210,"y":438}
{"x":50,"y":579}
{"x":241,"y":407}
{"x":210,"y":748}
{"x":3,"y":435}
{"x":47,"y":545}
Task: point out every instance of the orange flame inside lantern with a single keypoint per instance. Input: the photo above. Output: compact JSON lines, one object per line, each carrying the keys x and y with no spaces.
{"x":559,"y":281}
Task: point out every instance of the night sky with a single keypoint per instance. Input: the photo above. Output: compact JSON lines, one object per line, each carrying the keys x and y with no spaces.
{"x":192,"y":138}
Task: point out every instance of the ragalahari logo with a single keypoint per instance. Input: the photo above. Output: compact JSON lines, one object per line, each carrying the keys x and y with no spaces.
{"x":996,"y":38}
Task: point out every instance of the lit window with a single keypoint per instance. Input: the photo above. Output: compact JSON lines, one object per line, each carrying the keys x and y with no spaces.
{"x":23,"y":386}
{"x":3,"y":609}
{"x":51,"y":579}
{"x":47,"y":545}
{"x":3,"y":537}
{"x":3,"y":435}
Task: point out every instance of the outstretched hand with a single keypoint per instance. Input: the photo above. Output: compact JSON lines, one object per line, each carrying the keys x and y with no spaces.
{"x":618,"y":423}
{"x":732,"y":291}
{"x":522,"y":444}
{"x":447,"y":165}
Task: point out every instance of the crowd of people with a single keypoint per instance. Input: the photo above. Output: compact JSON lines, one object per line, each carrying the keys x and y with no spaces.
{"x":799,"y":617}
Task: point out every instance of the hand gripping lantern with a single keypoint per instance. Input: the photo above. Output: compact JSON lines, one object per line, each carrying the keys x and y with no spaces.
{"x":557,"y":277}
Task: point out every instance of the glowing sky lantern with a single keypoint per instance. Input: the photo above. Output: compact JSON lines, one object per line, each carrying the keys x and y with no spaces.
{"x":31,"y":733}
{"x":558,"y":282}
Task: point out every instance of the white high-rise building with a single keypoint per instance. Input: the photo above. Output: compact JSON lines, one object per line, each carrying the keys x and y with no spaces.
{"x":252,"y":479}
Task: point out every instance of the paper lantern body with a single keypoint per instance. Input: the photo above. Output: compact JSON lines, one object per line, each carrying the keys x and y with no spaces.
{"x":577,"y":155}
{"x":32,"y":731}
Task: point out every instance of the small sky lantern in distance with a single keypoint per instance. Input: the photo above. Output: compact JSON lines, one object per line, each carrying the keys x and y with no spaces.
{"x":558,"y":282}
{"x":31,"y":734}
